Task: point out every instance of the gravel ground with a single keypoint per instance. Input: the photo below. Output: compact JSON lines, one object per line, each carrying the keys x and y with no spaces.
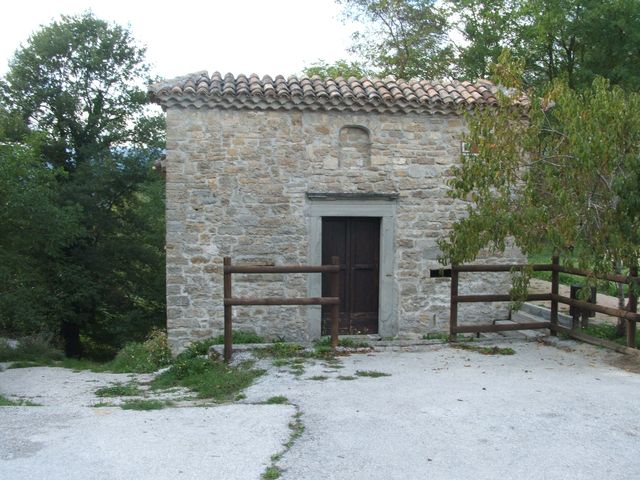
{"x":543,"y":413}
{"x":547,"y":412}
{"x":68,"y":438}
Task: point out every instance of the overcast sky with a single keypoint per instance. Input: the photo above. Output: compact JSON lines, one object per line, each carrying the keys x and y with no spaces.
{"x":238,"y":36}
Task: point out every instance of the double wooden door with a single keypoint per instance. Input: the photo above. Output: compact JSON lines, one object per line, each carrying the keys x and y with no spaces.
{"x":356,"y":240}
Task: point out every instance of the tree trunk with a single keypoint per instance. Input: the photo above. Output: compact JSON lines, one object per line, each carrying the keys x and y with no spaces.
{"x":70,"y":333}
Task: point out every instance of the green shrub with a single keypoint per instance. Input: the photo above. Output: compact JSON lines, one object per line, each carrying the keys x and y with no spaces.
{"x":146,"y":357}
{"x":199,"y":348}
{"x":240,"y":337}
{"x":35,"y":348}
{"x":95,"y":351}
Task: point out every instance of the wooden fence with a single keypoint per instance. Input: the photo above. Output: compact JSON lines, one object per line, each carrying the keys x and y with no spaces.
{"x":229,"y":301}
{"x":630,"y":314}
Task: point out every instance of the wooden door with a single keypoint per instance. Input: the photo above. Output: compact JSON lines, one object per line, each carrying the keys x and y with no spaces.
{"x":356,"y":240}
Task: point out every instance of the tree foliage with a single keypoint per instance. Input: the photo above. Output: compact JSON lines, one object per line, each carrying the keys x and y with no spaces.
{"x":487,"y":28}
{"x":78,"y":86}
{"x":78,"y":80}
{"x":564,"y":176}
{"x":574,"y":40}
{"x":340,"y":68}
{"x":36,"y":229}
{"x":406,"y":38}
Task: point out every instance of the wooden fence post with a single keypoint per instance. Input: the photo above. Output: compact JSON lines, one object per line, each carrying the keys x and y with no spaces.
{"x":633,"y":307}
{"x":453,"y":310}
{"x":334,"y":287}
{"x":555,"y":281}
{"x":228,"y":311}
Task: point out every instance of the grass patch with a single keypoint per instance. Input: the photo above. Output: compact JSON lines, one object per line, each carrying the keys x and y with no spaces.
{"x":29,"y":364}
{"x":285,"y":350}
{"x":144,"y":404}
{"x":296,"y":428}
{"x":208,"y":378}
{"x":119,"y":390}
{"x":605,"y":287}
{"x":487,"y":350}
{"x":70,"y":363}
{"x":322,"y":348}
{"x":296,"y":369}
{"x":82,"y":364}
{"x":102,"y":404}
{"x":436,"y":336}
{"x":271,"y":473}
{"x":239,"y":337}
{"x":36,"y":348}
{"x":346,"y":377}
{"x":5,"y":402}
{"x":371,"y":373}
{"x":333,"y":366}
{"x":342,"y":342}
{"x":601,"y":330}
{"x":607,"y":331}
{"x":319,"y":378}
{"x":277,"y":400}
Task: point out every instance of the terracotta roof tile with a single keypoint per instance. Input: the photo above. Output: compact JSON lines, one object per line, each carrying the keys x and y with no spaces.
{"x":202,"y":90}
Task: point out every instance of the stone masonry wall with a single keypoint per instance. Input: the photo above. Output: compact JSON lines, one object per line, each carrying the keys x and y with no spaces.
{"x":236,"y":186}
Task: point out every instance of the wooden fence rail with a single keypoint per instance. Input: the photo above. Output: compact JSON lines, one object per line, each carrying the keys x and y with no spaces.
{"x":630,"y":314}
{"x":229,"y":301}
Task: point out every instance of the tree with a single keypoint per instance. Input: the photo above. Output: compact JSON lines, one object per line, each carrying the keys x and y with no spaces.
{"x":575,"y":40}
{"x":612,"y":29}
{"x":340,"y":68}
{"x":78,"y":80}
{"x":406,"y":38}
{"x":564,"y":176}
{"x":36,"y":229}
{"x":487,"y":28}
{"x":79,"y":84}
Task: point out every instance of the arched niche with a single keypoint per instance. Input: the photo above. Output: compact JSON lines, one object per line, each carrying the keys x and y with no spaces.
{"x":355,"y":146}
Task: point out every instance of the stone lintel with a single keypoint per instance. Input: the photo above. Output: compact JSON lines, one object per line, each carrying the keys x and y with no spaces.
{"x":352,"y":196}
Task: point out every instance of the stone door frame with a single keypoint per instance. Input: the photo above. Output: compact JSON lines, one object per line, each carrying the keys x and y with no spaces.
{"x":382,"y":206}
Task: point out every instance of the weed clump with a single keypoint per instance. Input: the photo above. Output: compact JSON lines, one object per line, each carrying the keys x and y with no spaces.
{"x":371,"y":373}
{"x":119,"y":390}
{"x":323,"y":346}
{"x":208,"y":378}
{"x":146,"y":357}
{"x":141,"y":404}
{"x":277,"y":400}
{"x":5,"y":402}
{"x":487,"y":350}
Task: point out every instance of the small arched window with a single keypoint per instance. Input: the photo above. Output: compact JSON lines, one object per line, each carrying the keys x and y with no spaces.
{"x":355,"y":146}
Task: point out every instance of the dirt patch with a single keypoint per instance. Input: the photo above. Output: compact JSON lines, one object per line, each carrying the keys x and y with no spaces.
{"x":629,"y":362}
